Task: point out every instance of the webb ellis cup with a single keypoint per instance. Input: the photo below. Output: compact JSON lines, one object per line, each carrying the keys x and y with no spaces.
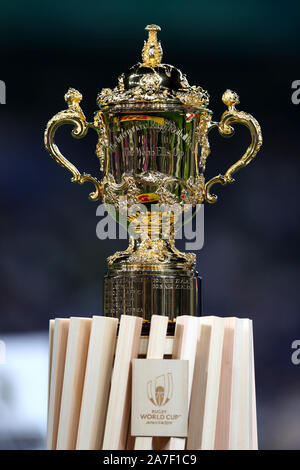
{"x":152,"y":149}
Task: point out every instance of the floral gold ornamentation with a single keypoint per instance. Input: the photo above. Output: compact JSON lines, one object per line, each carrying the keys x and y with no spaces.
{"x":233,"y":116}
{"x":102,"y":144}
{"x":147,"y":82}
{"x":193,"y":190}
{"x":73,"y":115}
{"x":152,"y":50}
{"x":202,"y":137}
{"x":153,"y":148}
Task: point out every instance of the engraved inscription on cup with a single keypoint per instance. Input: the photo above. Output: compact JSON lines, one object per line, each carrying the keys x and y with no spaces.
{"x":163,"y":142}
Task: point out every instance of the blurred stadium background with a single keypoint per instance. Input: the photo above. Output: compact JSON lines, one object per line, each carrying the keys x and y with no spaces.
{"x":52,"y":264}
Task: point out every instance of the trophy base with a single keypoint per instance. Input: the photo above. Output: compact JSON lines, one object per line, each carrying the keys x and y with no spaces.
{"x":146,"y":293}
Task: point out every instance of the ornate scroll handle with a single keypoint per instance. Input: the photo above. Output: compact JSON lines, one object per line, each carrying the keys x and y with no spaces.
{"x":73,"y":115}
{"x":232,"y":116}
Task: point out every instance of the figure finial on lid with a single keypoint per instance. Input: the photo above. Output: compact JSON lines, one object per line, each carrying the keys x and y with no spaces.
{"x":152,"y":50}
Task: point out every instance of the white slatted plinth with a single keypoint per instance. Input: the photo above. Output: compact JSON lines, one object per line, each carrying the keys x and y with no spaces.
{"x":90,"y":381}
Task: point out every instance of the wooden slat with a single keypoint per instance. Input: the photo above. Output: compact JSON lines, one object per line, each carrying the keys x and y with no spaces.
{"x":156,"y":348}
{"x":168,"y":348}
{"x":235,"y":394}
{"x":50,"y":351}
{"x":205,"y":391}
{"x":57,"y":366}
{"x":250,"y":387}
{"x":253,"y":417}
{"x":97,"y":383}
{"x":242,"y":441}
{"x":116,"y":428}
{"x":224,"y":404}
{"x":76,"y":356}
{"x":185,"y":344}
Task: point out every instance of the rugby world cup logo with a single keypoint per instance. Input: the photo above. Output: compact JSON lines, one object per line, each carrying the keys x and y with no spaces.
{"x":160,"y":390}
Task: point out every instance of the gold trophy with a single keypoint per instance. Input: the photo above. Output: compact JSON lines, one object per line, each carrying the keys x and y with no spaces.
{"x":152,"y":149}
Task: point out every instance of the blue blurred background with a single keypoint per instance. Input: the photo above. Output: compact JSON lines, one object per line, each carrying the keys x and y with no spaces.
{"x":52,"y":263}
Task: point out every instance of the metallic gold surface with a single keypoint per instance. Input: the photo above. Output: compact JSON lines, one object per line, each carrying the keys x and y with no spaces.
{"x":153,"y":148}
{"x":153,"y":82}
{"x":233,"y":116}
{"x":145,"y":293}
{"x":152,"y":50}
{"x":72,"y":115}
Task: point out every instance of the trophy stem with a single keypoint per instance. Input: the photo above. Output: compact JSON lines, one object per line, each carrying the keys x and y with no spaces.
{"x":152,"y":277}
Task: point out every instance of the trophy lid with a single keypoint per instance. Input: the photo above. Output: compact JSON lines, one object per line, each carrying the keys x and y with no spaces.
{"x":150,"y":81}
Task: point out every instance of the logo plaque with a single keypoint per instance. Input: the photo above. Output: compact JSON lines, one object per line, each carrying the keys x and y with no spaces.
{"x":159,"y":397}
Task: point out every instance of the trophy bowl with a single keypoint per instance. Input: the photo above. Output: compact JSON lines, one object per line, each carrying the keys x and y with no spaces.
{"x":152,"y":149}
